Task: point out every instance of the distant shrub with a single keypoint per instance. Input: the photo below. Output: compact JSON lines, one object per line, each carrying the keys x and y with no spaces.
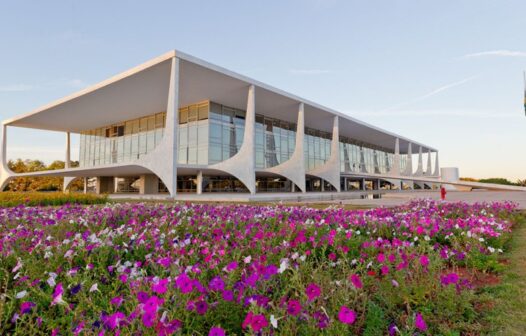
{"x":497,"y":180}
{"x":10,"y":199}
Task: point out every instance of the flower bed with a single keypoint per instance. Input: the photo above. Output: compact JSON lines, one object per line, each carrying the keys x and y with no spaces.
{"x":9,"y":199}
{"x":213,"y":270}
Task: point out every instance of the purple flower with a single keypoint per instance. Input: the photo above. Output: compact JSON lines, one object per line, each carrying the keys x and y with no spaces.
{"x":216,"y":284}
{"x":228,"y":295}
{"x":25,"y":307}
{"x":420,"y":324}
{"x":216,"y":331}
{"x":424,"y":260}
{"x":346,"y":315}
{"x":201,"y":307}
{"x":184,"y":283}
{"x":160,"y":286}
{"x":117,"y":301}
{"x":356,"y":281}
{"x":114,"y":320}
{"x":293,"y":307}
{"x":57,"y":294}
{"x":312,"y":291}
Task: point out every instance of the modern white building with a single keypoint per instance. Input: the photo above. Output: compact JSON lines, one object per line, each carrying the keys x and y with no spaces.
{"x":177,"y":125}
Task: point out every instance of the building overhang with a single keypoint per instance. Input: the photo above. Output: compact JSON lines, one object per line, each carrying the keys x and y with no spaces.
{"x":143,"y":90}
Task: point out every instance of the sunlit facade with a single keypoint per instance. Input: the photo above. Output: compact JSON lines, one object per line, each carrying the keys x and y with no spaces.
{"x":179,"y":125}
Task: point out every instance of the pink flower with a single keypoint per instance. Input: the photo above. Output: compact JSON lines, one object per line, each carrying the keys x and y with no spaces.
{"x":57,"y":294}
{"x":380,"y":258}
{"x":201,"y":307}
{"x":184,"y":283}
{"x":112,"y":321}
{"x":346,"y":315}
{"x":420,"y":323}
{"x":293,"y":307}
{"x":256,"y":322}
{"x":424,"y":260}
{"x":25,"y":307}
{"x":451,"y":278}
{"x":356,"y":281}
{"x":117,"y":301}
{"x":160,"y":286}
{"x":216,"y":284}
{"x":248,"y":320}
{"x":312,"y":291}
{"x":216,"y":331}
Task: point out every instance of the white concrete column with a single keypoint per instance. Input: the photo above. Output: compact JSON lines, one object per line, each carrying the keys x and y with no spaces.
{"x":85,"y":185}
{"x":409,"y":163}
{"x":243,"y":164}
{"x":66,"y":181}
{"x":200,"y":182}
{"x":437,"y":166}
{"x":5,"y":172}
{"x":428,"y":169}
{"x":162,"y":161}
{"x":67,"y":162}
{"x":330,"y":171}
{"x":395,"y":169}
{"x":420,"y":167}
{"x":294,"y":168}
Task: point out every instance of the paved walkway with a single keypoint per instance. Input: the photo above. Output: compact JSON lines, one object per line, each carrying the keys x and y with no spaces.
{"x":466,"y":196}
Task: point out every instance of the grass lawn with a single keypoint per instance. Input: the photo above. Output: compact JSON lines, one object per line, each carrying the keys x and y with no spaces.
{"x":508,"y":313}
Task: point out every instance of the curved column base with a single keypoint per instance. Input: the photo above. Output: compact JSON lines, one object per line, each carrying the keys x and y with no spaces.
{"x":291,"y":170}
{"x":67,"y":182}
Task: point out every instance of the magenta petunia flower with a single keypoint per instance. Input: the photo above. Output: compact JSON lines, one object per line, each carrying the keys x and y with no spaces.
{"x":424,"y":260}
{"x":184,"y":283}
{"x":293,"y":307}
{"x":117,"y":301}
{"x":258,"y":322}
{"x":346,"y":315}
{"x":160,"y":286}
{"x":228,"y":295}
{"x":25,"y":307}
{"x":216,"y":284}
{"x":420,"y":324}
{"x":216,"y":331}
{"x":57,"y":294}
{"x":113,"y":321}
{"x":201,"y":307}
{"x":356,"y":281}
{"x":312,"y":291}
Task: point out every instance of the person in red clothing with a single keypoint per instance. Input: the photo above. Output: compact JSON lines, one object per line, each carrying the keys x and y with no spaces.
{"x":442,"y":193}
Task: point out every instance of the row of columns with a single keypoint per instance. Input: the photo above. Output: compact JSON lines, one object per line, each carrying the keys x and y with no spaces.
{"x":162,"y":161}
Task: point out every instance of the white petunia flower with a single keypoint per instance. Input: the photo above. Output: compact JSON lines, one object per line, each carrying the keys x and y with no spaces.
{"x":274,"y":321}
{"x":21,"y":294}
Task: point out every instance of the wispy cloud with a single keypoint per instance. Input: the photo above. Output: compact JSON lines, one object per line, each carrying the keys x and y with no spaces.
{"x":15,"y":87}
{"x":309,"y":71}
{"x":24,"y":87}
{"x":430,"y":94}
{"x":482,"y":114}
{"x":497,"y":53}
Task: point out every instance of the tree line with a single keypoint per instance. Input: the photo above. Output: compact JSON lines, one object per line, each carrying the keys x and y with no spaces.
{"x":40,"y":183}
{"x":496,"y":180}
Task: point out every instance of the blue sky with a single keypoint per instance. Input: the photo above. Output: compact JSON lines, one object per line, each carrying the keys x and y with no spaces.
{"x":445,"y":73}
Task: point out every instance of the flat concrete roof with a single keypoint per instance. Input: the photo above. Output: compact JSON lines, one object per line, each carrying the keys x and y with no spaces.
{"x":143,"y":90}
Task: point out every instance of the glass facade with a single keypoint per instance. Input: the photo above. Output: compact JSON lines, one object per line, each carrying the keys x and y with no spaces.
{"x":317,"y":148}
{"x":227,"y":128}
{"x":275,"y":141}
{"x":356,"y":157}
{"x":123,"y":142}
{"x":210,"y":133}
{"x":193,"y":134}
